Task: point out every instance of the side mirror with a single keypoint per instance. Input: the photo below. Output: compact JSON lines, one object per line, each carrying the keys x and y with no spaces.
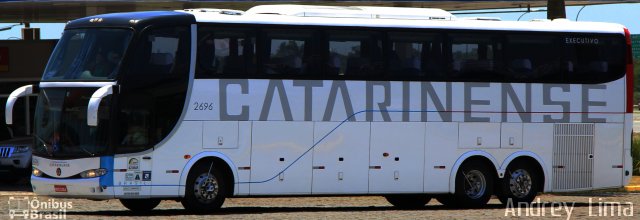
{"x":13,"y":97}
{"x":94,"y":104}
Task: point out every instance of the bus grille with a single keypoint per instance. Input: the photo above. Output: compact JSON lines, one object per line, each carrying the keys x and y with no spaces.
{"x":573,"y":156}
{"x":6,"y":152}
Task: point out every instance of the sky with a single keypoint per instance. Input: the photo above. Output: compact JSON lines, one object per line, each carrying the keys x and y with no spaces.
{"x":625,"y":14}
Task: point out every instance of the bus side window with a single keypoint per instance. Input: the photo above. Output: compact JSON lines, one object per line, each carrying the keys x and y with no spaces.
{"x":532,"y":58}
{"x":354,"y":54}
{"x":225,"y":52}
{"x":593,"y":58}
{"x":158,"y":53}
{"x":287,"y":53}
{"x":415,"y":56}
{"x":474,"y":57}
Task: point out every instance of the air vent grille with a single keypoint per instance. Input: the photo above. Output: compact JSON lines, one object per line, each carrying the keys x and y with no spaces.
{"x":573,"y":156}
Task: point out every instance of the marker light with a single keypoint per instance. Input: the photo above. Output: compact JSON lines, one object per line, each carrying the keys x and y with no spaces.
{"x":93,"y":173}
{"x":36,"y":172}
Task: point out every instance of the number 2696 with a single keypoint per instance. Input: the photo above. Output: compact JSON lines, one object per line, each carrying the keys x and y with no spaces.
{"x":202,"y":106}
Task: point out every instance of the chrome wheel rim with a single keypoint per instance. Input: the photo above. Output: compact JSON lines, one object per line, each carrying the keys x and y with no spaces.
{"x":476,"y":184}
{"x":520,"y":183}
{"x":205,"y":188}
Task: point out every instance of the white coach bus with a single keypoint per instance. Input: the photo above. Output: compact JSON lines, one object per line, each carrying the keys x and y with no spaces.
{"x":407,"y":103}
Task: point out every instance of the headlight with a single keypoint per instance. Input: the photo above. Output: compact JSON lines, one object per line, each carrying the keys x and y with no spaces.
{"x":93,"y":173}
{"x":21,"y":149}
{"x":36,"y":172}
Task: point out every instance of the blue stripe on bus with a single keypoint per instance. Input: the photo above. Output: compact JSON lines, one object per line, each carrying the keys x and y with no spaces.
{"x":106,"y":162}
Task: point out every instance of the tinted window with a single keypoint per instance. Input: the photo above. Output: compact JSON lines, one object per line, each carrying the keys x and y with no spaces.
{"x":592,"y":58}
{"x":226,"y":52}
{"x":153,"y":92}
{"x":158,"y":54}
{"x":61,"y":124}
{"x":409,"y":54}
{"x":533,"y":57}
{"x":475,"y":57}
{"x":354,"y":54}
{"x":287,"y":52}
{"x":415,"y":56}
{"x":88,"y":54}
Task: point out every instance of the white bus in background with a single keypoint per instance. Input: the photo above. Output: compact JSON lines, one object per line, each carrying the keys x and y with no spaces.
{"x":407,"y":103}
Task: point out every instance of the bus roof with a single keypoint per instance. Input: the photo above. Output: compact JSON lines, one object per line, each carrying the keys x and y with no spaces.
{"x":389,"y":17}
{"x":136,"y":20}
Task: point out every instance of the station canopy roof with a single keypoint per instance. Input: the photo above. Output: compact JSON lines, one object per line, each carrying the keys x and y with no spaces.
{"x":15,"y":11}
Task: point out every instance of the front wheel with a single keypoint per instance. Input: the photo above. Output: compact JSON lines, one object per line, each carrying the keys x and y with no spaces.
{"x":140,"y":205}
{"x":205,"y":190}
{"x":411,"y":201}
{"x":521,"y":183}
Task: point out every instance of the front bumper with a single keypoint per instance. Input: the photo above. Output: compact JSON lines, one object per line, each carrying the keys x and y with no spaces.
{"x":75,"y":188}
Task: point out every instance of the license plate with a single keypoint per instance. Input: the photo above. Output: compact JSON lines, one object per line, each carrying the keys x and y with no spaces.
{"x":60,"y":188}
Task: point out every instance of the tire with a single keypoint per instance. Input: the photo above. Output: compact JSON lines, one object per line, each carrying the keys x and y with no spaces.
{"x":140,"y":205}
{"x":199,"y":200}
{"x":410,"y":201}
{"x":481,"y":177}
{"x":521,"y":183}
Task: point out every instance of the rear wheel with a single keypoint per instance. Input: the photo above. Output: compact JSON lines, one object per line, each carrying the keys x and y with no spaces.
{"x":411,"y":201}
{"x":521,"y":183}
{"x":474,"y":186}
{"x":205,"y":189}
{"x":140,"y":205}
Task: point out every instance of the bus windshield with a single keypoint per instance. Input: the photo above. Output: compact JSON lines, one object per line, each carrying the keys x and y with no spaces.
{"x":61,"y":124}
{"x":88,"y":54}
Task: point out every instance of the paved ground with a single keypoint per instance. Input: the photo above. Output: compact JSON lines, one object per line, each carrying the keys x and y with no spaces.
{"x":581,"y":206}
{"x":585,"y":205}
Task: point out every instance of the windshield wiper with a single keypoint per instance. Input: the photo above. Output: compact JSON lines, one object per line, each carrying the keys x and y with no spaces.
{"x":44,"y":143}
{"x":85,"y":150}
